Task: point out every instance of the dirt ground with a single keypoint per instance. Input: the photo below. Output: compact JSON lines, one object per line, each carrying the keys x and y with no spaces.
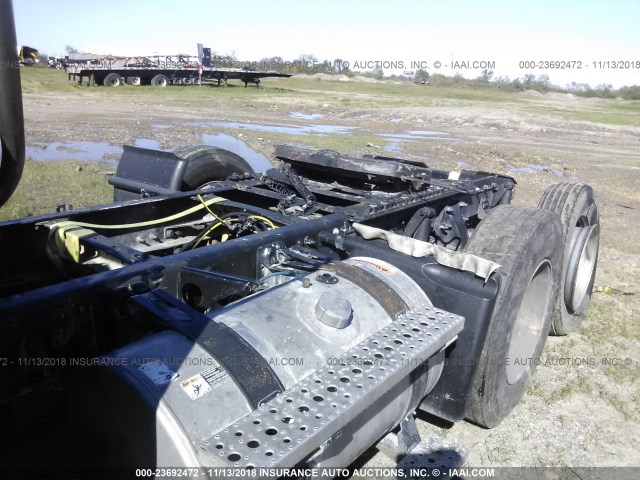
{"x":583,"y":406}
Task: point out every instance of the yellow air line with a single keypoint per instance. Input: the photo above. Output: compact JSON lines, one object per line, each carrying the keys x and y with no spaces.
{"x":143,"y":224}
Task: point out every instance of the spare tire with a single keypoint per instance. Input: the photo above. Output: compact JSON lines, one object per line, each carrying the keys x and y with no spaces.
{"x":576,"y":206}
{"x":527,"y":243}
{"x":209,"y":164}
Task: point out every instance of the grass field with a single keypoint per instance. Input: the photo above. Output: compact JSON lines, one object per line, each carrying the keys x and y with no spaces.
{"x":350,"y":93}
{"x":44,"y":185}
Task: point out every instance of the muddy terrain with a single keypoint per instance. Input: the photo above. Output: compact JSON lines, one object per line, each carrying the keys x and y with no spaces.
{"x":582,"y":408}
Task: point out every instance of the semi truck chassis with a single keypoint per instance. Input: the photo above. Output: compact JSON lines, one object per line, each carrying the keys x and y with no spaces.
{"x":394,"y":286}
{"x":215,"y":317}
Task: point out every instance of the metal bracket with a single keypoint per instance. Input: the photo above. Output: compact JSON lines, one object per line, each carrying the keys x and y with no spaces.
{"x":450,"y":226}
{"x":398,"y":445}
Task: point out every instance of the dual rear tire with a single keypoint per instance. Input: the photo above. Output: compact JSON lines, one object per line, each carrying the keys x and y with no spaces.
{"x":160,"y":81}
{"x":548,"y":260}
{"x":575,"y":204}
{"x":112,"y":80}
{"x":527,"y":243}
{"x":115,"y":80}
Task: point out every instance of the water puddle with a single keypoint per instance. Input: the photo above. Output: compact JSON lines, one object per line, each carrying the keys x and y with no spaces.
{"x":276,"y":128}
{"x":102,"y":152}
{"x":430,"y":133}
{"x":462,"y":163}
{"x":94,"y":152}
{"x":257,"y":160}
{"x":532,"y":168}
{"x":414,"y":135}
{"x":393,"y":147}
{"x":161,"y":127}
{"x":99,"y":152}
{"x":395,"y":140}
{"x":306,"y":116}
{"x":397,"y":151}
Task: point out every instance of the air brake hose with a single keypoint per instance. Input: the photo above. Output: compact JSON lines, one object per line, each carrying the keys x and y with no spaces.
{"x":277,"y":185}
{"x":297,"y":183}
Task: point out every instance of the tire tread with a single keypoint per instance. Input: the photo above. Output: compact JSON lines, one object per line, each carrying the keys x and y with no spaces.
{"x":507,"y":235}
{"x":564,"y":199}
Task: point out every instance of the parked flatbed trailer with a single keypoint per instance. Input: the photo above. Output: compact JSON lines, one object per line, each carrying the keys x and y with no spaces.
{"x":161,"y":77}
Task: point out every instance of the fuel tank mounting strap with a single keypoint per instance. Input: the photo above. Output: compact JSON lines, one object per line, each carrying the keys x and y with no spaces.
{"x":250,"y":371}
{"x":388,"y":298}
{"x":294,"y":424}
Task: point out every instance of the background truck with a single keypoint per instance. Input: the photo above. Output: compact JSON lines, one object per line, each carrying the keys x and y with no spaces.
{"x":161,"y":77}
{"x":214,"y":316}
{"x":160,"y":71}
{"x":28,"y":56}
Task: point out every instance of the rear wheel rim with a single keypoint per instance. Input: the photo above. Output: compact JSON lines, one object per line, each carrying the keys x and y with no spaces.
{"x":581,"y":266}
{"x":529,"y":323}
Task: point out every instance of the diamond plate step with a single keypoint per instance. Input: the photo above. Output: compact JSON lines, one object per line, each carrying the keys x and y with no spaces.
{"x":290,"y":427}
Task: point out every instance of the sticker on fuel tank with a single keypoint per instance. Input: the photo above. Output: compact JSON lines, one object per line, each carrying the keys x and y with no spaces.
{"x":158,"y":372}
{"x":215,"y":375}
{"x":378,"y":266}
{"x":204,"y":382}
{"x":195,"y":386}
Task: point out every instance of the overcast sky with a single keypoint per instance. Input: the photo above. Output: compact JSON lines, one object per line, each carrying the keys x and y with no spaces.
{"x":503,"y":32}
